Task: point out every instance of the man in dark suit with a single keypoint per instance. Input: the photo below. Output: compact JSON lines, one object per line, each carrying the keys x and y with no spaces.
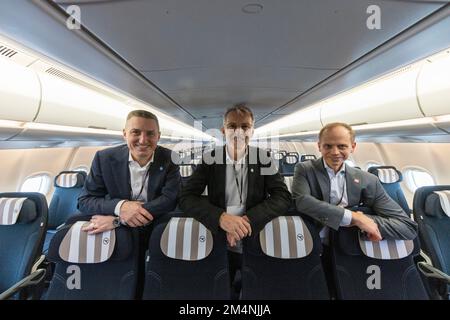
{"x":245,"y":191}
{"x":132,"y":184}
{"x":325,"y":188}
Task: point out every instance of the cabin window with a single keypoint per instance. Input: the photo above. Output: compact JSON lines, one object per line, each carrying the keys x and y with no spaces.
{"x":416,"y":178}
{"x":36,"y":183}
{"x":371,"y":164}
{"x":81,"y":168}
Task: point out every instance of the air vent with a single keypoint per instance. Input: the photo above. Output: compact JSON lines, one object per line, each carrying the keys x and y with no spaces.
{"x":7,"y":52}
{"x":63,"y":75}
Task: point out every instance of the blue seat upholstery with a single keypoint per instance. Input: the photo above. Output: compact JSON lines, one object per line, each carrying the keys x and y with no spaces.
{"x":272,"y":277}
{"x":390,"y":178}
{"x":287,"y":164}
{"x":68,"y":185}
{"x":113,"y":279}
{"x":360,"y":276}
{"x":21,"y":243}
{"x":434,"y":226}
{"x":168,"y":277}
{"x":307,"y":157}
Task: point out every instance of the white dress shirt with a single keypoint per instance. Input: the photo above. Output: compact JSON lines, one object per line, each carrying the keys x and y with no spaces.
{"x":236,"y":185}
{"x":138,"y":180}
{"x":338,"y":197}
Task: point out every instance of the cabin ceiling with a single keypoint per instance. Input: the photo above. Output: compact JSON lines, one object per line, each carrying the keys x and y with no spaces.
{"x":207,"y":55}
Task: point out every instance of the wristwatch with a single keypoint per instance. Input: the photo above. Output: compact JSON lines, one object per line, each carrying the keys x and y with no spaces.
{"x":116,"y":222}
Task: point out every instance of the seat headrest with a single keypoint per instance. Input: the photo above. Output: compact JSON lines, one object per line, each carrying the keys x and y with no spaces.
{"x":291,"y":159}
{"x":353,"y":243}
{"x":70,"y":179}
{"x":71,"y":244}
{"x":386,"y":249}
{"x":186,"y":239}
{"x":186,"y":170}
{"x":437,"y":204}
{"x":387,"y":174}
{"x":286,"y":237}
{"x":306,"y":157}
{"x":17,"y":210}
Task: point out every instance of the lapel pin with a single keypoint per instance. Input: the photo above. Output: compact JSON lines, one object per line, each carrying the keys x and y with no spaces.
{"x":356,"y":180}
{"x":160,"y":168}
{"x":251,"y":170}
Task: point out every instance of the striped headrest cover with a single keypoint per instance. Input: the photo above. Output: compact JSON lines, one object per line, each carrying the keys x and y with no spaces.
{"x":80,"y":247}
{"x":286,"y":237}
{"x":186,"y":171}
{"x":186,"y":239}
{"x":10,"y":209}
{"x":288,"y":181}
{"x":66,"y":180}
{"x":388,"y":175}
{"x":291,"y":159}
{"x":386,"y":249}
{"x":444,"y":199}
{"x":306,"y":157}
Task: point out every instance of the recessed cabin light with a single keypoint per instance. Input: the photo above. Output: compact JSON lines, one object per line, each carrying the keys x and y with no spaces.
{"x":252,"y":8}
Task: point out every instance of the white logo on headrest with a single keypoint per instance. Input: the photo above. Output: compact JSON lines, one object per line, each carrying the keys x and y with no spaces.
{"x":106,"y":241}
{"x":299,"y":237}
{"x":202,"y":239}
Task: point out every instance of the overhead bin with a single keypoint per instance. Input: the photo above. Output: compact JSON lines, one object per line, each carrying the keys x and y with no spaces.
{"x":433,"y":85}
{"x":390,"y":98}
{"x":69,"y":104}
{"x":20,"y":92}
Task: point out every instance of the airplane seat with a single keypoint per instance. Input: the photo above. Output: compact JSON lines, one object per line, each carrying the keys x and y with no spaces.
{"x":23,"y":221}
{"x":185,"y":261}
{"x":186,"y":171}
{"x":287,"y":164}
{"x":366,"y":270}
{"x":93,"y":267}
{"x":283,"y":261}
{"x":432,"y":213}
{"x":390,"y":178}
{"x":68,"y":186}
{"x":307,"y":157}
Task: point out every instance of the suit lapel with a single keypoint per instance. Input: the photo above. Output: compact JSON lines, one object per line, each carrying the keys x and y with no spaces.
{"x":220,"y":177}
{"x":122,"y":178}
{"x":155,"y":173}
{"x":353,"y":182}
{"x":322,"y":179}
{"x":251,"y":178}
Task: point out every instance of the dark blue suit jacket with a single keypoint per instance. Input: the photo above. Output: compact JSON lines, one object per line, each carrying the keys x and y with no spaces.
{"x":109,"y":182}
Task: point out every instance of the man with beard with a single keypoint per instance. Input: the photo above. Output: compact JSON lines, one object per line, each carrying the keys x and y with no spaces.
{"x":239,"y":179}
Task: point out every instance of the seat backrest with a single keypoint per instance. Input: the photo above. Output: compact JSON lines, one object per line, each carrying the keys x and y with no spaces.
{"x":23,"y":221}
{"x":367,"y":270}
{"x":186,"y":171}
{"x":307,"y":157}
{"x":185,"y":261}
{"x":390,"y":178}
{"x":283,"y":261}
{"x":102,"y":266}
{"x":68,"y":185}
{"x":287,"y":164}
{"x":434,"y":226}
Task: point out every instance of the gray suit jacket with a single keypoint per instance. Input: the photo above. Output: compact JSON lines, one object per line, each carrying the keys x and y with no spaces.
{"x":311,"y":193}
